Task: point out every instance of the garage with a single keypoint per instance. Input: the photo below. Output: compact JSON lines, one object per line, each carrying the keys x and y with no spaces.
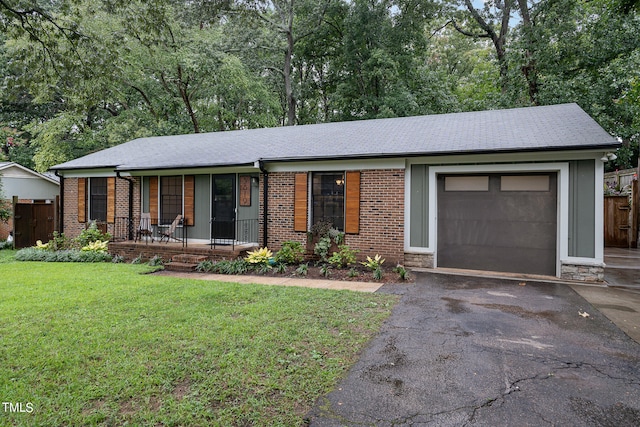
{"x":503,"y":222}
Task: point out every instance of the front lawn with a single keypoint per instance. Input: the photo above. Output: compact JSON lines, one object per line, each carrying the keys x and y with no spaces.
{"x":103,"y":344}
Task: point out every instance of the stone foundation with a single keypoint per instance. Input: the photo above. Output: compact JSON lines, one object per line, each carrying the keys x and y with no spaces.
{"x":413,"y":260}
{"x":583,"y":273}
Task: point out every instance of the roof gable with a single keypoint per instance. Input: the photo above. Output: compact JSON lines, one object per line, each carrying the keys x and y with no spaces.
{"x":16,"y":170}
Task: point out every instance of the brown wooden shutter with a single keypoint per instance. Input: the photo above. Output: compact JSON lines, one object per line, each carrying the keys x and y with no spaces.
{"x":189,"y":197}
{"x":82,"y":199}
{"x":153,"y":199}
{"x":300,"y":203}
{"x":111,"y":199}
{"x":352,"y":203}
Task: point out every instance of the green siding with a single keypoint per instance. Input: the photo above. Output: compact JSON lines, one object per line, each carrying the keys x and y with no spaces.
{"x":419,"y":209}
{"x":202,"y":205}
{"x":582,"y":208}
{"x":248,"y":230}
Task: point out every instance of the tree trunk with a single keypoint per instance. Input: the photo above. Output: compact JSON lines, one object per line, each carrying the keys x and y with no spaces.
{"x":288,"y":85}
{"x":529,"y":68}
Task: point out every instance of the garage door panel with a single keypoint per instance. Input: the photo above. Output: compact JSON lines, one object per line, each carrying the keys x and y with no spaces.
{"x":493,"y":259}
{"x":512,"y":231}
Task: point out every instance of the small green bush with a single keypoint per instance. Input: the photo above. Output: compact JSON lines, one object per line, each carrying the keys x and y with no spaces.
{"x":401,"y":271}
{"x":344,"y":257}
{"x":292,"y":252}
{"x":322,"y":247}
{"x":67,"y":255}
{"x":156,"y":261}
{"x":236,"y":266}
{"x":280,"y":268}
{"x":204,"y":266}
{"x":325,"y":270}
{"x":92,"y":234}
{"x":302,"y":270}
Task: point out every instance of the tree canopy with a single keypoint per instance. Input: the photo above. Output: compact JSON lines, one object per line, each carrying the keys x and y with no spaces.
{"x":81,"y":75}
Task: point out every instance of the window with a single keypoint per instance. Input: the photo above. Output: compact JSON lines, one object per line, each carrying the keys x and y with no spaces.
{"x":466,"y":183}
{"x":170,"y":198}
{"x":98,"y":199}
{"x":524,"y":183}
{"x":328,"y":198}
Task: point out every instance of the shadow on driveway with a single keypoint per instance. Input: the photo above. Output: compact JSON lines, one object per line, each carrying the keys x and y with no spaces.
{"x":460,"y":351}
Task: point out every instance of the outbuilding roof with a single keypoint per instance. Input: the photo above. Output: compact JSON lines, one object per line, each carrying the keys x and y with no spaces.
{"x":555,"y":127}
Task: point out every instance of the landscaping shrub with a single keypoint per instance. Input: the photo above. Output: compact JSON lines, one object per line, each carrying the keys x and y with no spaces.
{"x":236,"y":266}
{"x":324,"y":235}
{"x":67,"y":255}
{"x":259,"y":256}
{"x":156,"y":261}
{"x":344,"y":257}
{"x":402,"y":272}
{"x":292,"y":252}
{"x":204,"y":266}
{"x":92,"y":234}
{"x":302,"y":270}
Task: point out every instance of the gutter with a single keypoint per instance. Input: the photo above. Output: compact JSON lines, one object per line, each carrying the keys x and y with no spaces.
{"x":265,"y":203}
{"x":61,"y":207}
{"x":130,"y":181}
{"x":603,"y":147}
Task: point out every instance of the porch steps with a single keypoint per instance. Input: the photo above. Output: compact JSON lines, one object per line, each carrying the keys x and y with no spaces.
{"x":184,"y":262}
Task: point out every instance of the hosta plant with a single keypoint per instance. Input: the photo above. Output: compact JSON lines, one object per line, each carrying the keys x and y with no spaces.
{"x":259,"y":256}
{"x":373,"y":263}
{"x":97,"y":246}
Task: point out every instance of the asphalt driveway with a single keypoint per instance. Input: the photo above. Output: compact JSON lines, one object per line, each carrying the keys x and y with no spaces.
{"x":461,"y":351}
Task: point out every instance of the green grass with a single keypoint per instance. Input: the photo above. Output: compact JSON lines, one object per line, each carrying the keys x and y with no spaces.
{"x":103,"y":344}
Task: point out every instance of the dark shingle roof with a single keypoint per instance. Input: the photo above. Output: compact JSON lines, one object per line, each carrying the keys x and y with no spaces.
{"x":556,"y":127}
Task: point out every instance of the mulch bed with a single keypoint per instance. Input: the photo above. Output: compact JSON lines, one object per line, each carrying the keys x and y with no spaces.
{"x":364,"y":274}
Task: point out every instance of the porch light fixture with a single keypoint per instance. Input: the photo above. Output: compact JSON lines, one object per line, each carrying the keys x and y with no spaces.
{"x":340,"y":181}
{"x":254,"y":181}
{"x":608,"y":156}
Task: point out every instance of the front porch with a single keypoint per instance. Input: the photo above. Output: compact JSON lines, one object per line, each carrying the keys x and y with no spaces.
{"x":146,"y":250}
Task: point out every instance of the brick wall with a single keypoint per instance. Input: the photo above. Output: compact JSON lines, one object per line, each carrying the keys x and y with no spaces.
{"x":72,"y":227}
{"x":381,"y":214}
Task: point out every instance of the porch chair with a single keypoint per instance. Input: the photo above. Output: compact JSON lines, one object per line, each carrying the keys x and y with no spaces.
{"x":144,"y":229}
{"x":168,"y":233}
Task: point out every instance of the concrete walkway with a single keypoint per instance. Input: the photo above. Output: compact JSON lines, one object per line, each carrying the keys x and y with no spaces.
{"x":622,"y":268}
{"x":281,"y":281}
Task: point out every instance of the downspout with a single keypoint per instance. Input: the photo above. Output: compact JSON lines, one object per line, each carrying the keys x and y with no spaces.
{"x":130,"y":181}
{"x":61,"y":207}
{"x":265,"y":203}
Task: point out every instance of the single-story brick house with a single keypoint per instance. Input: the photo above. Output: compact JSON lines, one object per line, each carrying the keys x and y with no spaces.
{"x":515,"y":190}
{"x":27,"y":187}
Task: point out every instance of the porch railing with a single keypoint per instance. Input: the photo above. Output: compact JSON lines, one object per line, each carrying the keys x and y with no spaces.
{"x":233,"y":232}
{"x":126,"y":228}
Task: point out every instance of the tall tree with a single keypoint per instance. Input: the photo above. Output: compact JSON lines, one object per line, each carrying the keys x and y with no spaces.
{"x":292,"y":20}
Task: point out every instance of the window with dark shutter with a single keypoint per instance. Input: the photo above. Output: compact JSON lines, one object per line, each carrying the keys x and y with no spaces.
{"x":98,"y":199}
